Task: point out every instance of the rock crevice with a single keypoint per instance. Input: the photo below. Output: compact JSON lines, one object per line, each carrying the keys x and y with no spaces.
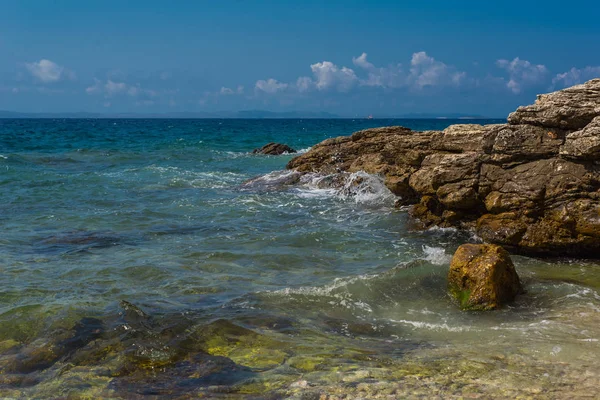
{"x":532,"y":184}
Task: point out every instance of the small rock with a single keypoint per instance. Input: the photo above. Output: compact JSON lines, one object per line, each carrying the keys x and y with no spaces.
{"x":300,"y":384}
{"x":483,"y":277}
{"x":274,"y":149}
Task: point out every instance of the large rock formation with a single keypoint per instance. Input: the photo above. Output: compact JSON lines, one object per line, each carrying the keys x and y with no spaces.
{"x":483,"y":277}
{"x":531,"y":185}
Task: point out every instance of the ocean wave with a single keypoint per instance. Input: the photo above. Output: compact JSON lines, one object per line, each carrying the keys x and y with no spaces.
{"x":432,"y":325}
{"x":360,"y":187}
{"x":326,"y":290}
{"x":174,"y":177}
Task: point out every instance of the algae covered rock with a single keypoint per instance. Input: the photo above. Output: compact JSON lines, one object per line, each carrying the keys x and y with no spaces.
{"x":483,"y":277}
{"x":274,"y":149}
{"x":244,"y":346}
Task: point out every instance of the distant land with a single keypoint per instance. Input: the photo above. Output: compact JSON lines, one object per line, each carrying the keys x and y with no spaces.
{"x":249,"y":114}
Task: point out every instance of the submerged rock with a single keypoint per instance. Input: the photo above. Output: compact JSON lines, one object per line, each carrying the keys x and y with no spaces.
{"x":244,"y":346}
{"x":274,"y":149}
{"x":181,"y":380}
{"x":482,"y":277}
{"x":531,"y":185}
{"x":42,"y":355}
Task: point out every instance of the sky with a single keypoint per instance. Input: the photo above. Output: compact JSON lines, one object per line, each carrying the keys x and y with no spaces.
{"x":351,"y":58}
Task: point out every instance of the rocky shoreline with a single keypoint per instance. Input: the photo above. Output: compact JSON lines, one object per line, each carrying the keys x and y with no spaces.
{"x":531,"y":185}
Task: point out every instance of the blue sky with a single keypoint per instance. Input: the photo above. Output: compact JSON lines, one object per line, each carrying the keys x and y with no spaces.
{"x":346,"y":57}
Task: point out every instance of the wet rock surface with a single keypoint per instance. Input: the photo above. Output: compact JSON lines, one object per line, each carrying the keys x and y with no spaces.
{"x":482,"y":277}
{"x":531,"y":185}
{"x":274,"y":149}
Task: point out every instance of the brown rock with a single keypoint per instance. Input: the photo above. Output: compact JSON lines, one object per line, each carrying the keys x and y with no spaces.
{"x":464,"y":137}
{"x":274,"y":149}
{"x":519,"y":143}
{"x":482,"y":277}
{"x":532,"y":185}
{"x":583,"y":144}
{"x":572,"y":108}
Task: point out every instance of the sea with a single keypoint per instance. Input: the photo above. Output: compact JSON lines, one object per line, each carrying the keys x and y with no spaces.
{"x":141,"y":258}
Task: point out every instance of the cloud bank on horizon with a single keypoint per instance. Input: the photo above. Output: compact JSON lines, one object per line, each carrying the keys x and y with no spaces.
{"x":423,"y":72}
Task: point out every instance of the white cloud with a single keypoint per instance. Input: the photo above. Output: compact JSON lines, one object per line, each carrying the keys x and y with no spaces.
{"x":427,"y":71}
{"x":424,"y":71}
{"x":228,"y":91}
{"x":304,"y":84}
{"x":361,"y":61}
{"x":47,"y":71}
{"x":522,"y":73}
{"x":96,"y":88}
{"x":575,"y":76}
{"x":270,"y":86}
{"x":328,"y":76}
{"x":389,"y":77}
{"x":111,"y":88}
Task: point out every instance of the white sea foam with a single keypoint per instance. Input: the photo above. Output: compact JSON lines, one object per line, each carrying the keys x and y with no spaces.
{"x":436,"y":255}
{"x":442,"y":229}
{"x":359,"y":186}
{"x":277,"y":176}
{"x":302,"y":151}
{"x":433,"y":326}
{"x":336,"y":292}
{"x":315,"y":193}
{"x":3,"y":156}
{"x":326,"y":290}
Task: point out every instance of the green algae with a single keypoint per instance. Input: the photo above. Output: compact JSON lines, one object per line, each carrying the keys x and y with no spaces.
{"x":8,"y":344}
{"x":308,"y":363}
{"x":463,"y":298}
{"x":243,"y":346}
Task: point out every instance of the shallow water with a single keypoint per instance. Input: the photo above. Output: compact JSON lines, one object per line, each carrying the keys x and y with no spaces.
{"x":136,"y":263}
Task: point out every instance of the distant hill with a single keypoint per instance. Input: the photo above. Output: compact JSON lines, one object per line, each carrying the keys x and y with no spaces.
{"x":440,"y":116}
{"x":250,"y":114}
{"x":246,"y":114}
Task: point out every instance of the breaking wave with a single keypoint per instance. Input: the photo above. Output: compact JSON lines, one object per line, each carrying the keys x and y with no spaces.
{"x":359,"y":187}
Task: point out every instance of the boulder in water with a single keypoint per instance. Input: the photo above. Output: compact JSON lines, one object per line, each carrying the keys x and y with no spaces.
{"x":274,"y":149}
{"x":483,"y":277}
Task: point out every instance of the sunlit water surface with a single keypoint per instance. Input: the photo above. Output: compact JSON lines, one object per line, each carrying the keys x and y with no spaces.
{"x":135,"y":263}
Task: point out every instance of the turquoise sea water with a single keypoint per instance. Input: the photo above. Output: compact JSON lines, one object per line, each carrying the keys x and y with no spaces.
{"x":135,"y":262}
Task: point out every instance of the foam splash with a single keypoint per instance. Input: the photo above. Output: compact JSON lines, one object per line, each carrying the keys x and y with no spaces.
{"x":360,"y":187}
{"x":302,"y":151}
{"x":432,"y":326}
{"x":436,"y":255}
